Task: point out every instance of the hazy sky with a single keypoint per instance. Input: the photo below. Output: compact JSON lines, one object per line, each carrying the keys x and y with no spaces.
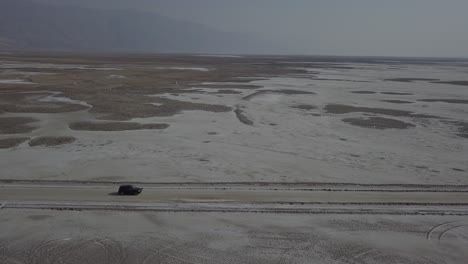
{"x":326,"y":27}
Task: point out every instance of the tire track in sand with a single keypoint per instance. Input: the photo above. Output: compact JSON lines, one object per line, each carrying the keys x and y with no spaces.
{"x":439,"y":231}
{"x":88,"y":250}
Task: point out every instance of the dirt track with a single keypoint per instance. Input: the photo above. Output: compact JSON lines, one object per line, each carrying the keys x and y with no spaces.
{"x":245,"y":198}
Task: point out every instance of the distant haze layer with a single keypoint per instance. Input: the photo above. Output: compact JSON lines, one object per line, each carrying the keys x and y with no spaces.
{"x":426,"y":28}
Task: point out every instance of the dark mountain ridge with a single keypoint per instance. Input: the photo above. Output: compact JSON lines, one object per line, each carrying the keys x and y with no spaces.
{"x":29,"y":25}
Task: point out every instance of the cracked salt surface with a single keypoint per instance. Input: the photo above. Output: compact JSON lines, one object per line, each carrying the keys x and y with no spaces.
{"x":15,"y":81}
{"x":300,"y":146}
{"x":219,"y":56}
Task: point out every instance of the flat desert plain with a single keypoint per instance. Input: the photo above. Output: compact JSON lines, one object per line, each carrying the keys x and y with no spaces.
{"x":242,"y":159}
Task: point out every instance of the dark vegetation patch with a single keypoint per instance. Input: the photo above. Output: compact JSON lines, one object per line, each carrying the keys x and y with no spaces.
{"x":396,"y":93}
{"x":130,"y":98}
{"x":422,"y":167}
{"x":461,"y":126}
{"x":181,"y":91}
{"x":229,"y":86}
{"x":325,"y":66}
{"x":378,"y":123}
{"x":51,"y":141}
{"x":397,"y":101}
{"x":363,"y":92}
{"x":127,"y":110}
{"x":242,"y":118}
{"x":16,"y":125}
{"x":242,"y":80}
{"x":411,"y":79}
{"x":462,"y":129}
{"x":114,"y":126}
{"x":11,"y":142}
{"x":170,"y":107}
{"x":305,"y":107}
{"x":426,"y":116}
{"x":282,"y":91}
{"x":227,"y":92}
{"x":450,"y":101}
{"x":27,"y":102}
{"x":457,"y":169}
{"x":345,"y":109}
{"x":463,"y":83}
{"x":291,"y":92}
{"x":56,"y":108}
{"x":340,"y":80}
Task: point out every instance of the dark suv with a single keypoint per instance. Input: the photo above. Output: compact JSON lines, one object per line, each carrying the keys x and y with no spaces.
{"x":129,"y":190}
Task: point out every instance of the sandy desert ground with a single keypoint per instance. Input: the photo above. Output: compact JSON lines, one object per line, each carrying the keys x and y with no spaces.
{"x":244,"y":159}
{"x":135,"y":237}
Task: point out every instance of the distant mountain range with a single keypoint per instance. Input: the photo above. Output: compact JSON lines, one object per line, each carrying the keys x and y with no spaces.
{"x":33,"y":26}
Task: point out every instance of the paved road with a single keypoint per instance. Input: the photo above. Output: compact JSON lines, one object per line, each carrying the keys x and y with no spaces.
{"x":186,"y":194}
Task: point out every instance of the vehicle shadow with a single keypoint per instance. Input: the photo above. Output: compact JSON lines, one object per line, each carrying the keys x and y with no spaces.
{"x":113,"y":194}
